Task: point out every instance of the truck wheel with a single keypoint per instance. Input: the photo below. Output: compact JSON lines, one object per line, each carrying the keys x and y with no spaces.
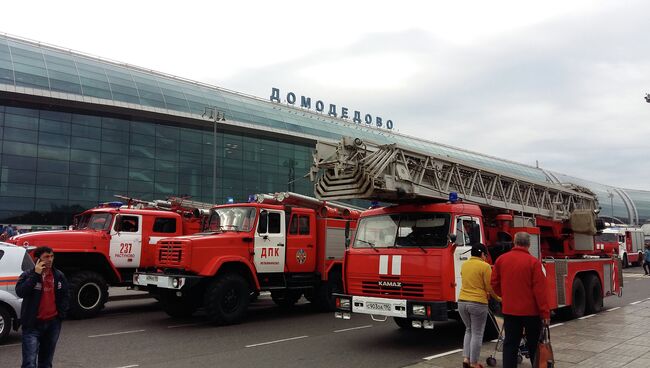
{"x":324,"y":299}
{"x":285,"y":298}
{"x":578,"y":300}
{"x":640,"y":260}
{"x":227,"y":298}
{"x":594,"y":294}
{"x":626,"y":263}
{"x":5,"y":323}
{"x":403,"y":323}
{"x":88,"y":294}
{"x":178,"y":307}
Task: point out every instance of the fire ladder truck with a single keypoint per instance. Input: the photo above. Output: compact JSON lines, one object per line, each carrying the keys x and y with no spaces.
{"x":404,"y":260}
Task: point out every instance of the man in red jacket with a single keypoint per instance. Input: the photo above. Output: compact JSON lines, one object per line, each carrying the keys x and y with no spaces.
{"x":518,"y":278}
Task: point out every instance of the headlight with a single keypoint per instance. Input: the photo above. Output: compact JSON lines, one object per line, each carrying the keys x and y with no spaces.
{"x":419,"y":310}
{"x":175,"y":283}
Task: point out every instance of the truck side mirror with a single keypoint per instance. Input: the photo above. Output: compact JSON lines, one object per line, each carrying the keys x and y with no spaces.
{"x":452,"y":238}
{"x":347,"y":234}
{"x":118,"y":224}
{"x":262,"y":226}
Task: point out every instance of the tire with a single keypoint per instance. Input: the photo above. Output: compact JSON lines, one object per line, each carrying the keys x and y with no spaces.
{"x":178,"y":307}
{"x":227,"y":299}
{"x":640,"y":260}
{"x":324,"y":300}
{"x":6,"y":321}
{"x":403,"y":323}
{"x":578,"y":299}
{"x":594,"y":294}
{"x":88,"y":294}
{"x":285,"y":298}
{"x":626,"y":263}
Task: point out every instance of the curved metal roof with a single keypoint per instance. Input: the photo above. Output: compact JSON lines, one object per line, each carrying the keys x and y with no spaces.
{"x":35,"y":68}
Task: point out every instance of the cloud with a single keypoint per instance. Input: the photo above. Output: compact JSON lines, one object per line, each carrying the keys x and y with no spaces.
{"x":567,"y":92}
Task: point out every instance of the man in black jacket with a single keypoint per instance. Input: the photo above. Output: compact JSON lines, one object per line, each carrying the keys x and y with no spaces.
{"x":44,"y":290}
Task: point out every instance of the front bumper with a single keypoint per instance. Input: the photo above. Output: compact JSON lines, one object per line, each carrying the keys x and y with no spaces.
{"x":150,"y":281}
{"x":414,"y":310}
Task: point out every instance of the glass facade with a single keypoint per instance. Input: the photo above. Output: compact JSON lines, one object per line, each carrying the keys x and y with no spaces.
{"x":60,"y":162}
{"x":54,"y":164}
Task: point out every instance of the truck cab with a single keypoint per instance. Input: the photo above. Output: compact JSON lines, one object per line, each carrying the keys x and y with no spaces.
{"x":401,"y":252}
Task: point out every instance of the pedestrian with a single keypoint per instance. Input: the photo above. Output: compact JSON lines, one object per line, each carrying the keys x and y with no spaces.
{"x":473,"y":302}
{"x":44,"y":290}
{"x":10,"y":231}
{"x":519,"y":279}
{"x":646,"y":260}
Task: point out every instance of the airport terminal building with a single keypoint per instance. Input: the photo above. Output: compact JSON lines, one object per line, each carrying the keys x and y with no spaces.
{"x":77,"y":129}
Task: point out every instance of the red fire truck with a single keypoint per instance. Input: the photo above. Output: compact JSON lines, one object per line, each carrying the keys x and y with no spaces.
{"x":405,"y":259}
{"x":630,"y":243}
{"x":110,"y":241}
{"x":287,"y":243}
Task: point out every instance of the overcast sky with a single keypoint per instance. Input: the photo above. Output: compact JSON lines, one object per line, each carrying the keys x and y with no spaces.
{"x":559,"y":82}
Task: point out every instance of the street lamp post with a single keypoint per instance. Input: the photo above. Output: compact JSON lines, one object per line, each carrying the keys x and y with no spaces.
{"x":611,"y":199}
{"x":214,"y":115}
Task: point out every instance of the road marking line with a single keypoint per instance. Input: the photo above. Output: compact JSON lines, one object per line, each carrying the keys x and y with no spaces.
{"x":129,"y":366}
{"x":276,"y":341}
{"x":185,"y":325}
{"x":117,"y":333}
{"x":6,"y":346}
{"x":442,"y":354}
{"x":637,"y":302}
{"x":352,"y":328}
{"x":589,"y":316}
{"x":555,"y":325}
{"x":613,"y":309}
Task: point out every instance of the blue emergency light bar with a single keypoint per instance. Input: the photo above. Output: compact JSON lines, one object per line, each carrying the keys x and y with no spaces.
{"x":111,"y":204}
{"x":453,"y":197}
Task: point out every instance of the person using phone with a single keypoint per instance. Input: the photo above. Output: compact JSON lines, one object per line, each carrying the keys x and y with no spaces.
{"x":44,"y":290}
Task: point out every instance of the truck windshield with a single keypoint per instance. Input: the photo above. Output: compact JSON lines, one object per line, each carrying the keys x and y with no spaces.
{"x":95,"y":221}
{"x":403,"y":230}
{"x":607,"y":237}
{"x":232,"y":219}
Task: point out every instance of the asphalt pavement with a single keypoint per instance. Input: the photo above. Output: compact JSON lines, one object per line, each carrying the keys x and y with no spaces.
{"x":134,"y":332}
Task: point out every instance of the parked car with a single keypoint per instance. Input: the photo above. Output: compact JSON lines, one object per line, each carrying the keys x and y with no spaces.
{"x":13,"y":261}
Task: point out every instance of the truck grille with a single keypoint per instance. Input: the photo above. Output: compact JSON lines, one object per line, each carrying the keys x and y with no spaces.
{"x":170,"y":253}
{"x":407,"y":290}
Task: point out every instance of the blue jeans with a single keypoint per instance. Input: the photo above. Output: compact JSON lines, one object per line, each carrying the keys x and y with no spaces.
{"x":474,"y":316}
{"x":39,"y":343}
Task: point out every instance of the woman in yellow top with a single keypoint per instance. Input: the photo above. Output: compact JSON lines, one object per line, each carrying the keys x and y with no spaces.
{"x":473,"y":302}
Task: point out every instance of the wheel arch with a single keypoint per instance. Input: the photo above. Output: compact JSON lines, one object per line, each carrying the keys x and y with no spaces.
{"x":224,"y":266}
{"x":91,"y":261}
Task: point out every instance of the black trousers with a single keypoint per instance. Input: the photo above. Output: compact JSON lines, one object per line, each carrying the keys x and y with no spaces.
{"x":646,"y":267}
{"x":514,"y":329}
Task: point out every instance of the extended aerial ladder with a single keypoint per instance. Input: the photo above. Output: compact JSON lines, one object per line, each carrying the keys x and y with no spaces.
{"x":357,"y":169}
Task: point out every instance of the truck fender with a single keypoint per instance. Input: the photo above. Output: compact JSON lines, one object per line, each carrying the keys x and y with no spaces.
{"x":329,"y":268}
{"x":215,"y":264}
{"x":115,"y":273}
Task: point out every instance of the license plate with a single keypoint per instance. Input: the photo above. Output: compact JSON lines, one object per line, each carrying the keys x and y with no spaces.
{"x":151,"y":278}
{"x":378,"y":306}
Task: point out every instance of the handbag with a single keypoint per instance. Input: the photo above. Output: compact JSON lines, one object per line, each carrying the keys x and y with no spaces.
{"x":544,"y":355}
